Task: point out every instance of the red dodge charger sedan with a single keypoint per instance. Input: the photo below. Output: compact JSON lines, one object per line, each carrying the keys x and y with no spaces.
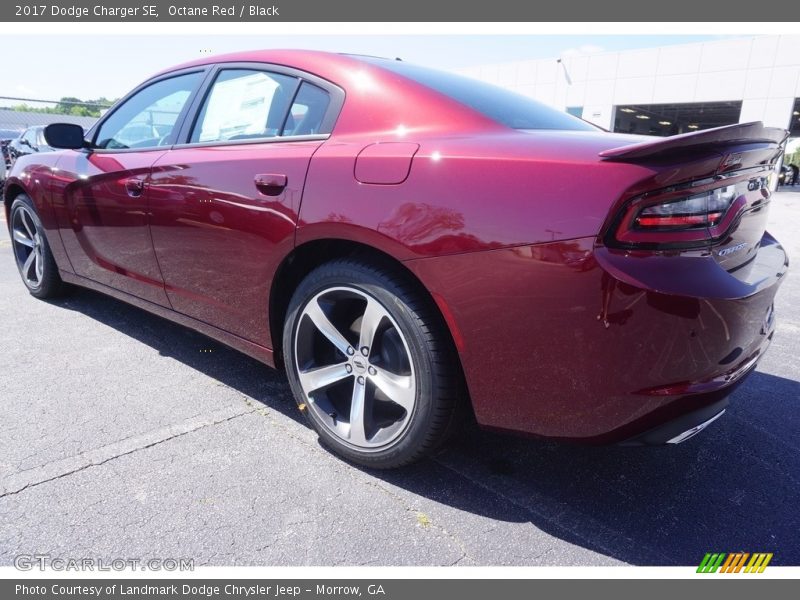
{"x":412,"y":246}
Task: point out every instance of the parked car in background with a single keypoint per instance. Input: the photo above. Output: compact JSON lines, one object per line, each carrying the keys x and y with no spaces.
{"x":792,"y":177}
{"x":410,"y":245}
{"x":31,"y":141}
{"x":6,"y":136}
{"x":9,"y":134}
{"x":785,"y":175}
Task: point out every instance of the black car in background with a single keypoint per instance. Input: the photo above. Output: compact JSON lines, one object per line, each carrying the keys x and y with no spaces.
{"x":6,"y":137}
{"x":788,"y":175}
{"x":31,"y":141}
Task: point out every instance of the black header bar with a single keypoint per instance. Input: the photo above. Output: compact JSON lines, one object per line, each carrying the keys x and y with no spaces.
{"x":395,"y":11}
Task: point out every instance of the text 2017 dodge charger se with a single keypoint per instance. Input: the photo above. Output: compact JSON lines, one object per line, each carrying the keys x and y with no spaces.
{"x":411,"y":245}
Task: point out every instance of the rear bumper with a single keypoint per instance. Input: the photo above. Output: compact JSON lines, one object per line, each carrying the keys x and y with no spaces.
{"x":567,"y":340}
{"x":690,"y":407}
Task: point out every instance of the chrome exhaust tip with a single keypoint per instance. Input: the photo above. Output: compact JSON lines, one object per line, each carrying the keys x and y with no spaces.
{"x":682,"y":437}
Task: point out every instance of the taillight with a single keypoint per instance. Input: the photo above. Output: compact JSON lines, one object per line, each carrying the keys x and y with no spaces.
{"x":674,"y":218}
{"x":701,"y":210}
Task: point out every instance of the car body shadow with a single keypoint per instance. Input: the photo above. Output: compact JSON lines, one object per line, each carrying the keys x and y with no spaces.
{"x":228,"y":366}
{"x":733,"y":488}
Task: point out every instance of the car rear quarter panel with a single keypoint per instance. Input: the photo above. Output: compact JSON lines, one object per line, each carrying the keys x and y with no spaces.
{"x":466,"y":193}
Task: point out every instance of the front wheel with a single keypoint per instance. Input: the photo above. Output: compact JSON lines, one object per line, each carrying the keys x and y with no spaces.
{"x":370,"y":364}
{"x":35,"y":261}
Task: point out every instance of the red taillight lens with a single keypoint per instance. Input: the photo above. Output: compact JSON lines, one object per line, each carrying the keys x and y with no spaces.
{"x":701,"y":210}
{"x":681,"y":221}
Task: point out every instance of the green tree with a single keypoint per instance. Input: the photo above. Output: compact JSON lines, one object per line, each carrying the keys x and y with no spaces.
{"x":69,"y":105}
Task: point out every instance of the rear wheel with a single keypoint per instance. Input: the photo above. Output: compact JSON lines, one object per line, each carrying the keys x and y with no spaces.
{"x":370,"y":364}
{"x":35,"y":262}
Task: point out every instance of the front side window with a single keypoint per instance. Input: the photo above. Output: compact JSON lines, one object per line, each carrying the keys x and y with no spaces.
{"x":149,"y":118}
{"x":244,"y":104}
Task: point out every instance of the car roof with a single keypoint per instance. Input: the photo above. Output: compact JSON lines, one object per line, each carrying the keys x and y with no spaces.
{"x":315,"y":62}
{"x":371,"y":90}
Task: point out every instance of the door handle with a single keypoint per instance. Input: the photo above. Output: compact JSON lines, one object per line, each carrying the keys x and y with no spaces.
{"x":134,"y":187}
{"x":270,"y":184}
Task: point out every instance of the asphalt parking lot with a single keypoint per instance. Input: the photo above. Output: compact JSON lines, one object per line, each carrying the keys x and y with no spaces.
{"x":123,"y":435}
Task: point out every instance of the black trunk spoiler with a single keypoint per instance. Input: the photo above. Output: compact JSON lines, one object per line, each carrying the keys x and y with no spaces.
{"x":739,"y":144}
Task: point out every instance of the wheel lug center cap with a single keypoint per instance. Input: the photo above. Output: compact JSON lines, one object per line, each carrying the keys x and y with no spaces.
{"x":359,"y":364}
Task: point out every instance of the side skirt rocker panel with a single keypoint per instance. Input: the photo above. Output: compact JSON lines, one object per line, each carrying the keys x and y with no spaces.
{"x":256,"y":351}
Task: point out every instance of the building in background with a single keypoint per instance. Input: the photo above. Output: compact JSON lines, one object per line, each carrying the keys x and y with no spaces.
{"x":669,"y":89}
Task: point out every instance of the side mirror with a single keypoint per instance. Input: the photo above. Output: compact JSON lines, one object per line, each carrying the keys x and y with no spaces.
{"x":64,"y":135}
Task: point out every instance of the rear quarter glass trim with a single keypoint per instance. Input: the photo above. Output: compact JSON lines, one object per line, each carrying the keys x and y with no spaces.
{"x":336,"y":93}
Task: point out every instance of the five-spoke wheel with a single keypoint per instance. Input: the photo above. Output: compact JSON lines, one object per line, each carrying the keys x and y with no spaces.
{"x":354,"y":367}
{"x":370,"y":363}
{"x":27,"y":242}
{"x":31,"y":251}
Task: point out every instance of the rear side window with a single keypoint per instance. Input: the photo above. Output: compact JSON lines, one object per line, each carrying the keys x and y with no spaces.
{"x":244,"y":104}
{"x":503,"y":106}
{"x":308,"y":111}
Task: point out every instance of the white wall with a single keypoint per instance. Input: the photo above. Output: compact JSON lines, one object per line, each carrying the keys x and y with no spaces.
{"x":763,"y":72}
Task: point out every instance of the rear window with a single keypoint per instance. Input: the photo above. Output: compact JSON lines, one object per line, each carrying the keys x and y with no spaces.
{"x":506,"y":107}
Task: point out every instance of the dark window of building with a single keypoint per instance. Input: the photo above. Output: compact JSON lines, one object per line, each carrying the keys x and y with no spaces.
{"x":794,"y":124}
{"x":672,"y":119}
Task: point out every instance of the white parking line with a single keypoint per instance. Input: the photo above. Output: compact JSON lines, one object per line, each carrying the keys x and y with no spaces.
{"x":97,"y":456}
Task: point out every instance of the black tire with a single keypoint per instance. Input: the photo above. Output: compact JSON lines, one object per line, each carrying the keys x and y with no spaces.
{"x":48,"y":284}
{"x":439,"y":405}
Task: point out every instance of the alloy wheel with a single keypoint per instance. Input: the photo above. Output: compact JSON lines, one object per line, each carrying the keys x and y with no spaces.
{"x":355,"y":368}
{"x":28,"y":246}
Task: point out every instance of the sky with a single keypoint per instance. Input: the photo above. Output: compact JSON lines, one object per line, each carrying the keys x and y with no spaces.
{"x":89,"y":67}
